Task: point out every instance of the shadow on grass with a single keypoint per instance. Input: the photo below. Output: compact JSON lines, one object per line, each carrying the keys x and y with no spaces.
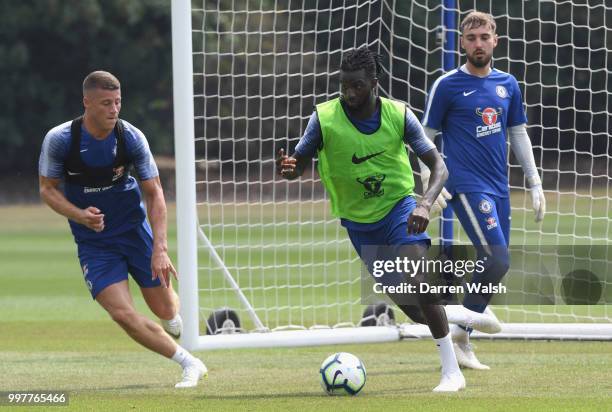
{"x":119,"y":388}
{"x":318,"y":395}
{"x":314,"y":394}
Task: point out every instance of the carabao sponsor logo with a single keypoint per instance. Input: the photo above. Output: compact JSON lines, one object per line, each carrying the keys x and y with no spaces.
{"x":489,"y":117}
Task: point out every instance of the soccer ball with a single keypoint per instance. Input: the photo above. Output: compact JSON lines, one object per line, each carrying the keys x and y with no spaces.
{"x":342,"y":374}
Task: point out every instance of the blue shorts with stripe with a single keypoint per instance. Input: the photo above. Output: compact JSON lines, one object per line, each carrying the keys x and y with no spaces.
{"x":108,"y":261}
{"x":486,"y":220}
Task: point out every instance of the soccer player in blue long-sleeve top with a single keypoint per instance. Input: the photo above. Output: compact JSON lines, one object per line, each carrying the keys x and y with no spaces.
{"x":476,"y":107}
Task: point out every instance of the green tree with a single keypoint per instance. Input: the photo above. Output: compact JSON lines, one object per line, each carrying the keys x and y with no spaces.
{"x":49,"y":46}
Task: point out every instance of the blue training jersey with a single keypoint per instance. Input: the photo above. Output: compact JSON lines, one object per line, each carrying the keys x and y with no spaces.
{"x":121,"y":204}
{"x":473,"y":114}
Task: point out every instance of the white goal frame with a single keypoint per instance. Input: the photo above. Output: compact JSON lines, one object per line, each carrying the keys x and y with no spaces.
{"x":190,"y":235}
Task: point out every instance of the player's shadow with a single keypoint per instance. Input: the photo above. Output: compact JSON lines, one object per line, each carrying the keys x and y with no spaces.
{"x":117,"y":388}
{"x":394,"y":373}
{"x":402,"y":372}
{"x":312,"y":394}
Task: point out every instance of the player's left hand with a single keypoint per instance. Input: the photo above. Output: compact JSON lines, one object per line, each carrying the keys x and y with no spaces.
{"x":161,"y":268}
{"x":538,"y":202}
{"x":418,"y":220}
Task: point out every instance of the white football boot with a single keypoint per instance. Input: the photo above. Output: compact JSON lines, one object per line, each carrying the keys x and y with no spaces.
{"x":174,"y":327}
{"x":464,"y":350}
{"x":452,"y":382}
{"x":484,"y":322}
{"x":192,"y":374}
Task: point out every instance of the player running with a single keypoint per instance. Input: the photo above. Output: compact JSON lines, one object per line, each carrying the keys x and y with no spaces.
{"x":93,"y":155}
{"x":360,"y":142}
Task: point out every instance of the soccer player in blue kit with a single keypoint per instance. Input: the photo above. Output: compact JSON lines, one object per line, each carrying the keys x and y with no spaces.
{"x":476,"y":107}
{"x":93,"y":155}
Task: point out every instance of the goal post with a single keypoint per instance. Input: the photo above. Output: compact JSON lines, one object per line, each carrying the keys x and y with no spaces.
{"x":184,"y":151}
{"x":262,"y":263}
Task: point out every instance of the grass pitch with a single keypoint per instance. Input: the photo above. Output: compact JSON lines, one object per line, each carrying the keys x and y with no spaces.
{"x":54,"y":337}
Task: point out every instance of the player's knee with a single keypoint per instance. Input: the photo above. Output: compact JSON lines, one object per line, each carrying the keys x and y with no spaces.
{"x":166,"y":311}
{"x":497,"y":265}
{"x":126,"y":318}
{"x":424,"y":293}
{"x":504,"y":267}
{"x":414,"y":313}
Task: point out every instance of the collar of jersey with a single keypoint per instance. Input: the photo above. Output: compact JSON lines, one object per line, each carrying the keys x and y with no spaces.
{"x":464,"y":69}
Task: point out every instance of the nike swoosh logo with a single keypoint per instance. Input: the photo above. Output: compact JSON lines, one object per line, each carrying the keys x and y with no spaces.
{"x":72,"y":173}
{"x":358,"y":160}
{"x":84,"y":150}
{"x":468,"y":93}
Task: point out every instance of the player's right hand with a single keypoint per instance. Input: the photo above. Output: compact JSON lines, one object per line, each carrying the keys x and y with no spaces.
{"x":92,"y":218}
{"x":285,"y":165}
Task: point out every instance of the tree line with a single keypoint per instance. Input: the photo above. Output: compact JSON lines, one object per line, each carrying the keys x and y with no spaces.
{"x":49,"y":46}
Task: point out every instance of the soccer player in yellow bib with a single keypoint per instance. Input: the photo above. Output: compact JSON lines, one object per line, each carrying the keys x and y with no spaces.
{"x":360,"y":142}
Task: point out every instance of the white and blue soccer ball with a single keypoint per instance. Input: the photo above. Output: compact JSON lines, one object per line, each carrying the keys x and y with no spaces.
{"x":342,"y":374}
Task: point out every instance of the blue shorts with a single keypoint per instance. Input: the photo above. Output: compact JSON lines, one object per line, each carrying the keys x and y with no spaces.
{"x":108,"y":261}
{"x":383,"y":240}
{"x":391,"y":230}
{"x":484,"y":217}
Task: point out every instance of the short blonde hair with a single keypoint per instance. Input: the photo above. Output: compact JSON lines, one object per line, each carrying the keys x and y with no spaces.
{"x":100,"y":80}
{"x":476,"y":19}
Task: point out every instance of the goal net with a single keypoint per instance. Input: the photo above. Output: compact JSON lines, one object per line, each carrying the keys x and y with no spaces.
{"x":270,"y":258}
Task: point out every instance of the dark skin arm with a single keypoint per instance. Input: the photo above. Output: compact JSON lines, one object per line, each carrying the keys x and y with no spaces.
{"x":419,"y":219}
{"x":290,"y":167}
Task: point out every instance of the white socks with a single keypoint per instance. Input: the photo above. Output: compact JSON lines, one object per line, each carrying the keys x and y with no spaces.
{"x":459,"y":335}
{"x":184,"y":358}
{"x":447,"y":355}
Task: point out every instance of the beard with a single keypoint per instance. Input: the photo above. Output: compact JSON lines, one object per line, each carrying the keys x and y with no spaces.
{"x":482,"y":62}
